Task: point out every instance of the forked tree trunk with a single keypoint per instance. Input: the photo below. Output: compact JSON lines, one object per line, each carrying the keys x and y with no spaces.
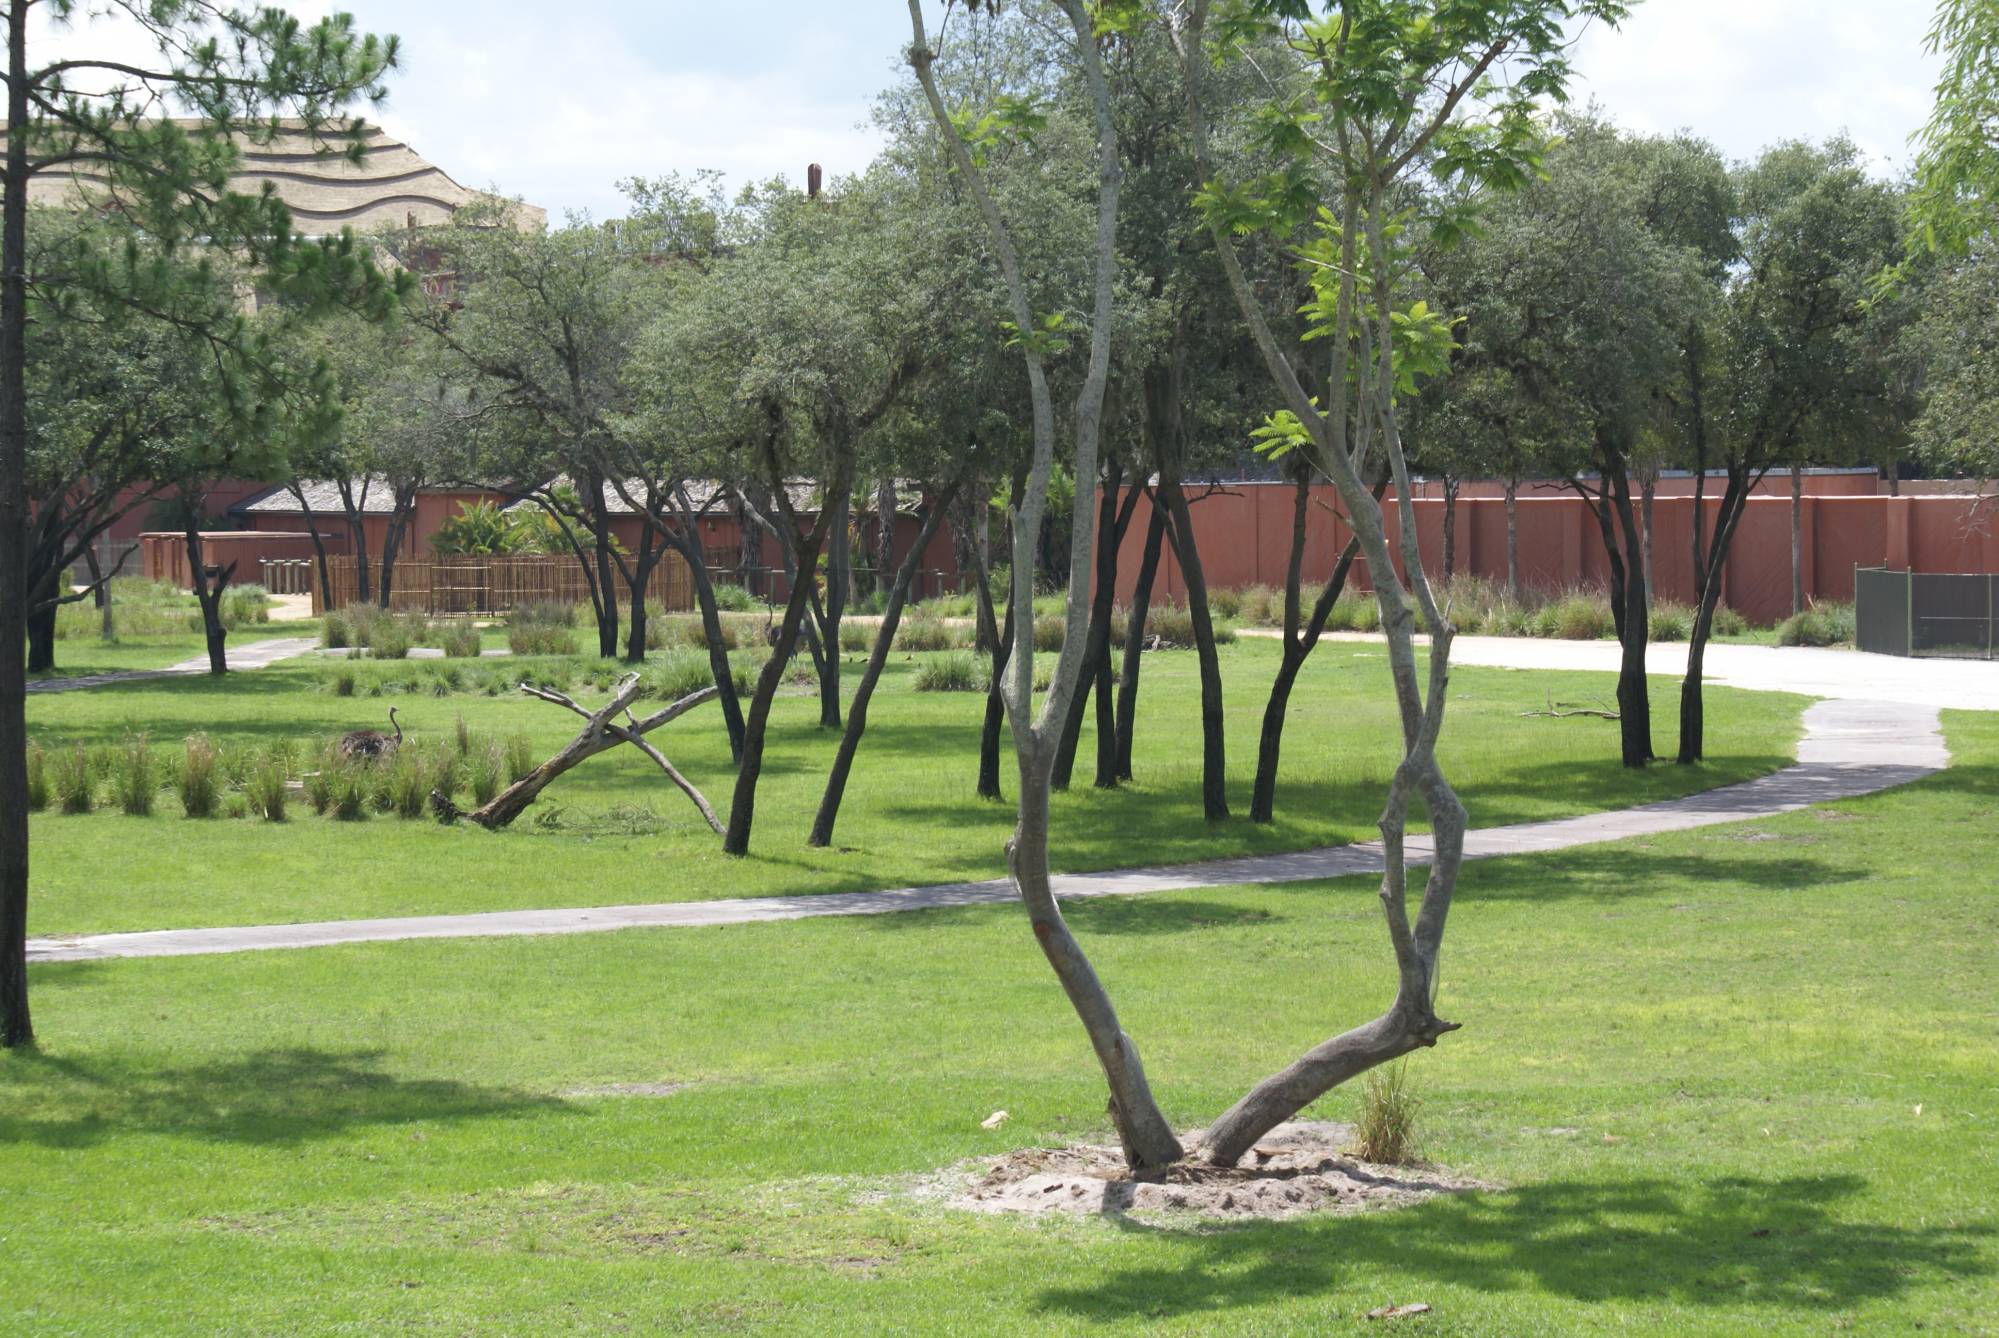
{"x":743,"y":807}
{"x":1710,"y":567}
{"x":601,"y":732}
{"x":857,"y":711}
{"x":718,"y":649}
{"x":1134,"y":637}
{"x":839,"y":563}
{"x":1147,"y":1139}
{"x":210,"y":599}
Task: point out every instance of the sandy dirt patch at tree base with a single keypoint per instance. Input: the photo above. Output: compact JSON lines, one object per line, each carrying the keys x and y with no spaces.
{"x":1295,"y":1168}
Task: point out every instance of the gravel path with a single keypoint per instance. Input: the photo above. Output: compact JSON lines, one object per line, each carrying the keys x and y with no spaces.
{"x":1849,"y":748}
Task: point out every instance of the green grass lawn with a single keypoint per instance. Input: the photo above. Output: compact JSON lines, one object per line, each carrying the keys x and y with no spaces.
{"x":1743,"y":1079}
{"x":78,"y":656}
{"x":614,"y":831}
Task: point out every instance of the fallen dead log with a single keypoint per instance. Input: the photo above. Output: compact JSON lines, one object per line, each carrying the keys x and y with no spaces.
{"x":1565,"y":710}
{"x":601,"y":732}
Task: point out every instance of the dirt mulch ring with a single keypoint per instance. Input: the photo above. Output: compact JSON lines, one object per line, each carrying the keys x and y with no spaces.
{"x":1296,"y":1168}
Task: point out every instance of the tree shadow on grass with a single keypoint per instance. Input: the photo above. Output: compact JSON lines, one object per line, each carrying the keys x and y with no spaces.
{"x":277,"y":1097}
{"x":1617,"y":872}
{"x":1136,"y":916}
{"x":1730,"y":1240}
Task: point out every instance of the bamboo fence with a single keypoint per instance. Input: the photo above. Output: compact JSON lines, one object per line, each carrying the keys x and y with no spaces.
{"x":483,"y":585}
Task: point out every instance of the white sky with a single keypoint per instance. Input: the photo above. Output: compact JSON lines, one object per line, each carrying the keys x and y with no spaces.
{"x":556,"y":103}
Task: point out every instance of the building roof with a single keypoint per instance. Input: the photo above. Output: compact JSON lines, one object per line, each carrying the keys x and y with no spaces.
{"x":375,"y":495}
{"x":392,"y":185}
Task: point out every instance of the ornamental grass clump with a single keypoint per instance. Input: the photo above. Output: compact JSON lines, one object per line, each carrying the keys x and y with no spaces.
{"x":923,"y":630}
{"x":75,"y":788}
{"x":1819,"y":625}
{"x":1576,"y":616}
{"x":484,"y":768}
{"x":459,"y":641}
{"x":199,"y":777}
{"x":133,"y":778}
{"x":38,"y":778}
{"x":1670,"y":622}
{"x":955,"y":672}
{"x":540,"y":639}
{"x":268,"y":788}
{"x":520,"y":757}
{"x":1385,"y":1129}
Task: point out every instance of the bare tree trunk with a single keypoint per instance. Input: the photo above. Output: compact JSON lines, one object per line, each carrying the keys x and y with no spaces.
{"x":1000,"y":641}
{"x":857,"y":713}
{"x":1513,"y":539}
{"x":1111,"y":519}
{"x":16,"y":1024}
{"x":42,"y":625}
{"x":885,"y":509}
{"x":1214,"y":749}
{"x":1708,"y":569}
{"x":718,"y":650}
{"x":209,"y":598}
{"x":839,"y":565}
{"x":600,"y":733}
{"x":1451,"y":485}
{"x":297,"y":490}
{"x":1797,"y":539}
{"x":101,"y":591}
{"x":1134,"y":637}
{"x":1648,"y":488}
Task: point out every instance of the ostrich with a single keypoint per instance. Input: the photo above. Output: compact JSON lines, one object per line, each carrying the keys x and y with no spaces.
{"x":372,"y":745}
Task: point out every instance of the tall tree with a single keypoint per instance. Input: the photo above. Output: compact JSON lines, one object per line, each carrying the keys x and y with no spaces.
{"x":1801,"y":363}
{"x":1147,"y":1138}
{"x":236,"y":70}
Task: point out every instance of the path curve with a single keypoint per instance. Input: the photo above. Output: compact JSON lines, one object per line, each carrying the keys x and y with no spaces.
{"x":1849,"y":748}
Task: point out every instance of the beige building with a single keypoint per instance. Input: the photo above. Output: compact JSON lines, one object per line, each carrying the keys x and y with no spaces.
{"x":391,"y":186}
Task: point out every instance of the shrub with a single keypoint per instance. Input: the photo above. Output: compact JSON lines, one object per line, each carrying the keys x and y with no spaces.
{"x":678,"y":674}
{"x":1225,"y":603}
{"x":734,"y":598}
{"x":520,"y":757}
{"x":923,"y":631}
{"x":691,"y":631}
{"x":133,"y":779}
{"x":336,"y":630}
{"x":244,"y":604}
{"x":390,"y":639}
{"x":1576,"y":616}
{"x":1670,"y":622}
{"x":485,"y":767}
{"x":460,"y":640}
{"x":542,"y":613}
{"x":1050,"y":630}
{"x":1261,"y":606}
{"x":75,"y":789}
{"x":956,"y":672}
{"x":1819,"y":625}
{"x":38,"y":778}
{"x":540,"y":639}
{"x":268,"y":788}
{"x":197,"y":780}
{"x":1727,"y":622}
{"x":1385,"y":1129}
{"x":1354,"y":612}
{"x":343,"y":681}
{"x":856,"y":637}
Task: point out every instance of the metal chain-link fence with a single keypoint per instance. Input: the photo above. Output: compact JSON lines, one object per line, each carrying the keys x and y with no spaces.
{"x":1925,"y":613}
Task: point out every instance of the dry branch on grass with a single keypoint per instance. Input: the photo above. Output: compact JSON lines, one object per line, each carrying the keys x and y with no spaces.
{"x":1567,"y":710}
{"x":601,"y":732}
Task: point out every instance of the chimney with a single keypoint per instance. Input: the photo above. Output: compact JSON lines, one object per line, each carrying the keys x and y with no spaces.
{"x":813,"y":176}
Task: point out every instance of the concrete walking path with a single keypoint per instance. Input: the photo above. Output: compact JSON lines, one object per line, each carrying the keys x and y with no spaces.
{"x":254,"y":655}
{"x":1850,"y":748}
